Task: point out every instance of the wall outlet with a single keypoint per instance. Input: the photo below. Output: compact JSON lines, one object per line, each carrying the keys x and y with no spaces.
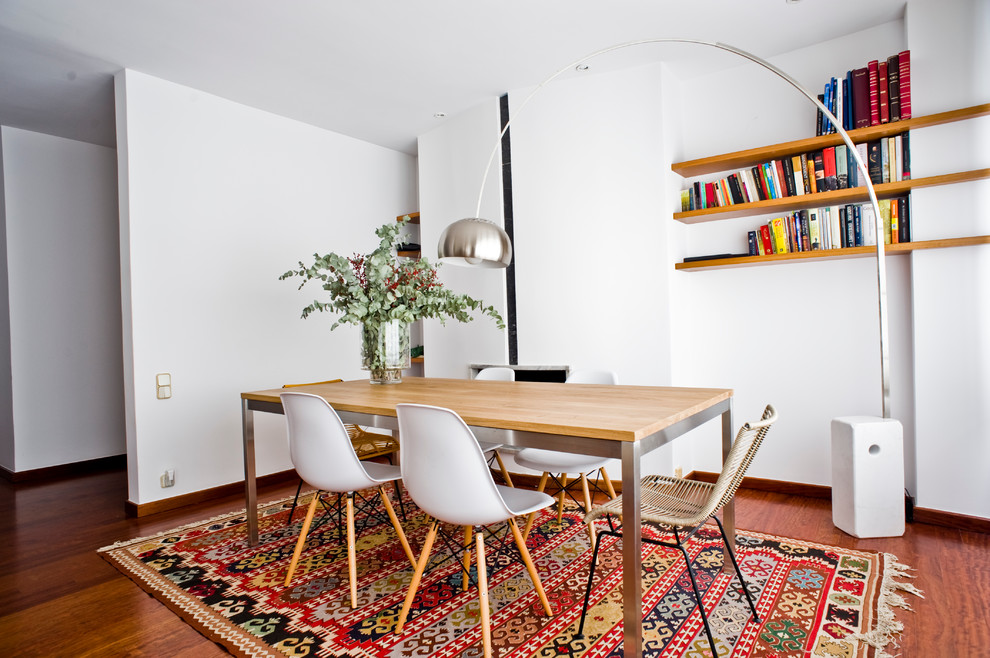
{"x":678,"y":472}
{"x":168,"y":478}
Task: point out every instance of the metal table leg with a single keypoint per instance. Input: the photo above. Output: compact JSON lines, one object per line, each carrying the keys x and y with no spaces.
{"x":632,"y":560}
{"x":729,"y":510}
{"x":250,"y":483}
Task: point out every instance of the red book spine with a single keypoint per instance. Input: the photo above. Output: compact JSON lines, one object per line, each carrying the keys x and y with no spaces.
{"x":904,"y":61}
{"x":861,"y":98}
{"x":781,"y":177}
{"x":872,"y":69}
{"x":765,"y":239}
{"x":828,"y":164}
{"x":882,"y":84}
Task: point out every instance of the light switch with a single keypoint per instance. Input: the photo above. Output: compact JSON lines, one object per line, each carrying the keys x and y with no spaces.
{"x":163,"y":385}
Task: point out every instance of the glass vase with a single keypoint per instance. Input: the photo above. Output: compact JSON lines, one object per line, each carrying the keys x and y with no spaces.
{"x":385,"y":351}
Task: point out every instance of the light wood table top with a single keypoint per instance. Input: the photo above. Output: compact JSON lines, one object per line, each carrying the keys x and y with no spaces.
{"x":617,"y":413}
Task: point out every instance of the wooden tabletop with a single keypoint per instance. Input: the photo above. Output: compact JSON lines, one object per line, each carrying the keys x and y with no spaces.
{"x":622,"y":413}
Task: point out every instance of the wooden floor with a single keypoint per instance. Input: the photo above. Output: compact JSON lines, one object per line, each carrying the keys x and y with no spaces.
{"x":59,"y":598}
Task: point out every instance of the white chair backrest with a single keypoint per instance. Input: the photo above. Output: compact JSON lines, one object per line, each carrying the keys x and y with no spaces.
{"x":592,"y":377}
{"x":319,"y":446}
{"x":443,"y":468}
{"x":496,"y":374}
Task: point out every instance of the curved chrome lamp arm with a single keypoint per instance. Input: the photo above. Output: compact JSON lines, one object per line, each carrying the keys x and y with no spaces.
{"x":864,"y":171}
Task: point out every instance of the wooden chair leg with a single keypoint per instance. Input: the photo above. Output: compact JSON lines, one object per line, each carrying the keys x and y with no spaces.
{"x":302,"y":537}
{"x":483,"y":605}
{"x":397,"y":526}
{"x":530,"y":567}
{"x":351,"y":550}
{"x":532,"y":515}
{"x":505,"y":472}
{"x":608,"y":483}
{"x":465,"y":577}
{"x":424,"y":558}
{"x":560,"y":498}
{"x":587,"y":506}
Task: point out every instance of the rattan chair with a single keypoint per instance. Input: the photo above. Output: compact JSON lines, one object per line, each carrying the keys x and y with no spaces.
{"x":367,"y":445}
{"x":675,"y":504}
{"x":556,"y":465}
{"x":325,"y":458}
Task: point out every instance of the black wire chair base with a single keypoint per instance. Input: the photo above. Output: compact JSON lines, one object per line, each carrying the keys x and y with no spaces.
{"x":365,"y":509}
{"x":457,"y":550}
{"x":679,"y":544}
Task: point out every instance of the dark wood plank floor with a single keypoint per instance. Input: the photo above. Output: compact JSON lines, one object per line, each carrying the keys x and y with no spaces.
{"x":59,"y":598}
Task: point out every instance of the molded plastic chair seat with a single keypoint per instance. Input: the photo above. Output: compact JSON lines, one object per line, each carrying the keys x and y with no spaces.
{"x":323,"y":455}
{"x":446,"y":474}
{"x":559,"y":462}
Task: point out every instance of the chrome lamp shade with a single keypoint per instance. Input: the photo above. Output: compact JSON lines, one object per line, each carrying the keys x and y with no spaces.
{"x":475,"y":242}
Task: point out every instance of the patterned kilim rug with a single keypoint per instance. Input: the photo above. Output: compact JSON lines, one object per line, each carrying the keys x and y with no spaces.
{"x":814,"y":600}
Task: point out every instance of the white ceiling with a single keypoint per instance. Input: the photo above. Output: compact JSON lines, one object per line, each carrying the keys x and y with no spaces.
{"x":377,"y":70}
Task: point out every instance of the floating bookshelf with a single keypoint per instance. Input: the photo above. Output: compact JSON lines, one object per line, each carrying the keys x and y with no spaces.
{"x":833,"y":198}
{"x":898,"y":249}
{"x":749,"y":157}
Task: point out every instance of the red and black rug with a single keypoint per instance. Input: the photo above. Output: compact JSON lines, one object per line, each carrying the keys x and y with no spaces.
{"x":814,"y":600}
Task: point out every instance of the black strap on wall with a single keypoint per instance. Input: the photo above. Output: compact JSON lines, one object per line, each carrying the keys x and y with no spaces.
{"x":510,"y":271}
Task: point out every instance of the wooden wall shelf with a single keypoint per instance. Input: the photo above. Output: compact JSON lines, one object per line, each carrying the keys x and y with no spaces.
{"x":835,"y":198}
{"x":830,"y":254}
{"x":749,"y":157}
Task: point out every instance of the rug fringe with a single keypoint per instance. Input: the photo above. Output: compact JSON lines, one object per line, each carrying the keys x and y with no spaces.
{"x":887,"y":626}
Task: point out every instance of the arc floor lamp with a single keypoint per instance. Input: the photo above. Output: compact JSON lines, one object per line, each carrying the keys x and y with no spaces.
{"x":478,"y":242}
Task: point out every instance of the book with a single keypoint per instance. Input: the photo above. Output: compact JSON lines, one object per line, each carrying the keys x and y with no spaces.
{"x":798,"y":173}
{"x":779,"y":235}
{"x":869,"y":224}
{"x":841,"y":167}
{"x":904,"y":217}
{"x":788,"y":182}
{"x":820,"y":122}
{"x":905,"y":156}
{"x":736,"y":190}
{"x":685,"y":200}
{"x":895,"y":235}
{"x":894,"y":88}
{"x":806,"y":244}
{"x":862,"y":148}
{"x":884,"y":160}
{"x":897,"y":172}
{"x":847,"y":115}
{"x":828,"y":162}
{"x":754,"y":250}
{"x":814,"y":230}
{"x":873,"y":162}
{"x":805,"y":179}
{"x":884,"y":219}
{"x":861,"y":98}
{"x":780,"y":178}
{"x":904,"y":72}
{"x":840,"y":102}
{"x":819,"y":172}
{"x":768,"y":180}
{"x":710,"y":195}
{"x":846,"y":227}
{"x":872,"y":69}
{"x":882,"y":90}
{"x":765,"y":239}
{"x":761,"y":183}
{"x":826,"y":122}
{"x":832,"y":218}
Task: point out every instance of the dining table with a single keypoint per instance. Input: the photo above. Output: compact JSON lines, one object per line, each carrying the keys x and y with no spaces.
{"x":623,"y":422}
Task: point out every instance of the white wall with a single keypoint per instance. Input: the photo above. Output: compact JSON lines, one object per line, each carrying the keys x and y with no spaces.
{"x":801,"y":336}
{"x":64,"y":304}
{"x":452,"y":159}
{"x":950,"y":57}
{"x":217,"y":200}
{"x":6,"y":385}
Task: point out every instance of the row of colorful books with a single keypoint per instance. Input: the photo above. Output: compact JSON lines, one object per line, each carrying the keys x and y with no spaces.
{"x":832,"y":227}
{"x":833,"y":168}
{"x":877,"y":93}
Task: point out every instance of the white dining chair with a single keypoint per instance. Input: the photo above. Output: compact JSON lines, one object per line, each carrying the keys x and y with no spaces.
{"x":556,"y":466}
{"x":446,"y":475}
{"x":496,"y":374}
{"x":323,"y":455}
